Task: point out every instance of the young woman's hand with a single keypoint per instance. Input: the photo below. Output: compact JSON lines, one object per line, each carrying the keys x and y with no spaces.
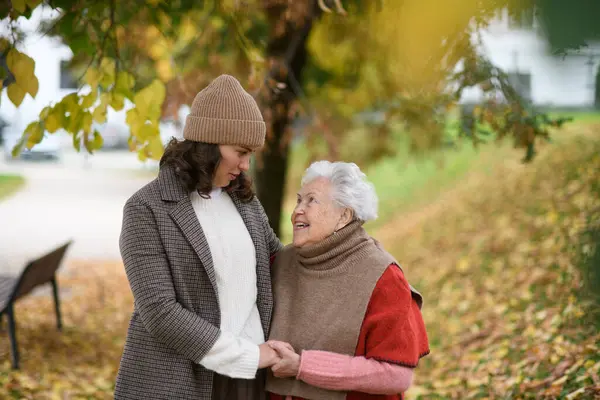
{"x":268,"y":356}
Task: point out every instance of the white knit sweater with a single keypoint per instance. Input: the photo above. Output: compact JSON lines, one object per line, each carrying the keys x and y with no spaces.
{"x":236,"y":353}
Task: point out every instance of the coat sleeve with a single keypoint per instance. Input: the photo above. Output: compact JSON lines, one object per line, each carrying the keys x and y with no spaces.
{"x":149,"y":276}
{"x":272,"y":240}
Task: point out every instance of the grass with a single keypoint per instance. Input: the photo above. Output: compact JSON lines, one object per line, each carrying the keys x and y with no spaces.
{"x":9,"y":184}
{"x":406,"y":181}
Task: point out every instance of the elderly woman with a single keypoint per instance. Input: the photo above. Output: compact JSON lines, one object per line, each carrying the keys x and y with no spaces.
{"x":346,"y":323}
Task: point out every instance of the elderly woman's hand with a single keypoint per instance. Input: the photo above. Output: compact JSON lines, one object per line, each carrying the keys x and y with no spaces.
{"x":289,"y":364}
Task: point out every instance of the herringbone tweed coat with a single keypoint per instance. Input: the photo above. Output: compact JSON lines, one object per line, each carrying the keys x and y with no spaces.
{"x":170,"y":270}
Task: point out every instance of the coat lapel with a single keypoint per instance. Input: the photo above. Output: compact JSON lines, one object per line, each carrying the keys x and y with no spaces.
{"x":185,"y":217}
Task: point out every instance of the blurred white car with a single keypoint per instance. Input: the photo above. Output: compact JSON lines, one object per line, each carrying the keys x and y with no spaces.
{"x":49,"y":148}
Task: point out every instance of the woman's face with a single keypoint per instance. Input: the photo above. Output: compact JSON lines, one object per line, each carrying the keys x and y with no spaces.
{"x":316,"y":215}
{"x":234,"y":160}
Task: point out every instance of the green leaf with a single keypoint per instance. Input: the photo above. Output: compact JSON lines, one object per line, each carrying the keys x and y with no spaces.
{"x":33,"y":3}
{"x":15,"y":94}
{"x":19,"y":5}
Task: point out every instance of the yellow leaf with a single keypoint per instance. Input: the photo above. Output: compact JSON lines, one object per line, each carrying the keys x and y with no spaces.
{"x":107,"y":71}
{"x":575,"y":394}
{"x":89,"y":99}
{"x":156,"y":147}
{"x":86,"y":122}
{"x":164,"y":70}
{"x":98,"y":140}
{"x":92,"y":78}
{"x":540,"y":315}
{"x":53,"y":122}
{"x":463,"y":265}
{"x":33,"y":86}
{"x":147,"y":132}
{"x":15,"y":94}
{"x":187,"y":30}
{"x":107,"y":66}
{"x":149,"y":100}
{"x":19,"y":5}
{"x":45,"y":112}
{"x":124,"y":83}
{"x":159,"y":48}
{"x":71,"y":103}
{"x":117,"y":101}
{"x":105,"y":99}
{"x":34,"y":134}
{"x":23,"y":68}
{"x":99,"y":114}
{"x":142,"y":155}
{"x":133,"y":120}
{"x":560,"y":381}
{"x":551,"y":217}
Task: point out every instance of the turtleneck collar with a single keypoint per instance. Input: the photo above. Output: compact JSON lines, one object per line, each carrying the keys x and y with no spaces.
{"x":330,"y":253}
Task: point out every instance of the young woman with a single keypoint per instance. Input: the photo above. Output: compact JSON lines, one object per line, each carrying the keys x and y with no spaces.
{"x":196,"y":245}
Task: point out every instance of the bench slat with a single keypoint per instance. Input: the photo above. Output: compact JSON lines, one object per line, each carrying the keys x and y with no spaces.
{"x":7,"y":285}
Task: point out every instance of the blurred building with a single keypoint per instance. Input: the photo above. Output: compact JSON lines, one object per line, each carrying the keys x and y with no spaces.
{"x":520,"y":49}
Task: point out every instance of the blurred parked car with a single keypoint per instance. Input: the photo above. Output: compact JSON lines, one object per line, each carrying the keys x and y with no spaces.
{"x":49,"y":148}
{"x":114,"y":135}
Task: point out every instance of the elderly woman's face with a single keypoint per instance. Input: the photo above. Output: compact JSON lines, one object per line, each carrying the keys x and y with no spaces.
{"x":316,"y":215}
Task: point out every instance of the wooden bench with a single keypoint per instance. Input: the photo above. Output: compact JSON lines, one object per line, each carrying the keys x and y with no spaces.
{"x":37,"y":272}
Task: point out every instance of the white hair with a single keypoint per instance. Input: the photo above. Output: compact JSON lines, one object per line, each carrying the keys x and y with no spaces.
{"x":350,"y":187}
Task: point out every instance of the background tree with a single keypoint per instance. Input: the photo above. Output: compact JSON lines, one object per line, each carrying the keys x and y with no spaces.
{"x":326,"y":60}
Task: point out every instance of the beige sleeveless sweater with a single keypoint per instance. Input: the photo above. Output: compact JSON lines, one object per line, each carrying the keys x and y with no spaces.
{"x":321,"y":293}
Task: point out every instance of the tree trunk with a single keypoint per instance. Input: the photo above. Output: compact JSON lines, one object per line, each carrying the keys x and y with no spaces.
{"x":286,"y":52}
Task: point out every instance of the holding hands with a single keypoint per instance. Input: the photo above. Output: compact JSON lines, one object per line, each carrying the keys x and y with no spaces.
{"x":281,"y":357}
{"x":289,"y":361}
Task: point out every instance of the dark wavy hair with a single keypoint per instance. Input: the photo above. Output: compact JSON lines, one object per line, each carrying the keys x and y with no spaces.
{"x":195,"y":164}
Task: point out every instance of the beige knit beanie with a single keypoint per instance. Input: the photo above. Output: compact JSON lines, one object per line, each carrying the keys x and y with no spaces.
{"x":224,"y":113}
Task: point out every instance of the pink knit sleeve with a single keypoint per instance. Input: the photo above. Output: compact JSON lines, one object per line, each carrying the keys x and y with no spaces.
{"x":335,"y":371}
